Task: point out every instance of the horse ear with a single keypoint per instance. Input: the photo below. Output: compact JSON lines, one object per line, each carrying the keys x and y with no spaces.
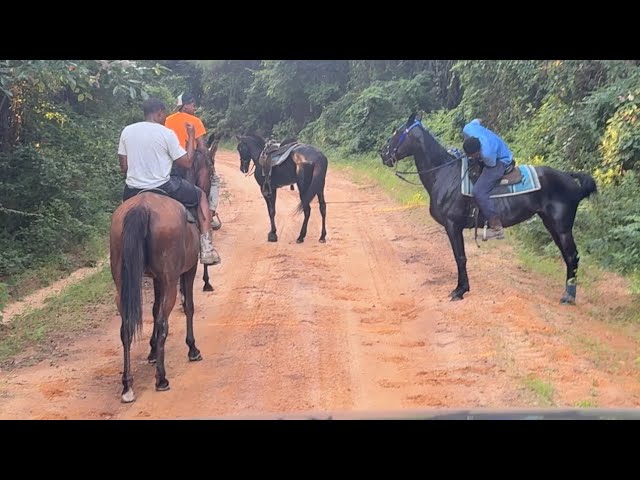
{"x":412,"y":118}
{"x":419,"y":117}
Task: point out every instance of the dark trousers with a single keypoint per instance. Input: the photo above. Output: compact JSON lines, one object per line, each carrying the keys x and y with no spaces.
{"x":485,"y":183}
{"x":177,"y":188}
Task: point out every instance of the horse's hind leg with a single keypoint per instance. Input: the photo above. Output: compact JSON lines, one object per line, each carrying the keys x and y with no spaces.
{"x":156,"y":308}
{"x":323,"y":212}
{"x":187,"y":286}
{"x":303,"y":230}
{"x":562,"y":234}
{"x":127,"y":378}
{"x":161,"y":324}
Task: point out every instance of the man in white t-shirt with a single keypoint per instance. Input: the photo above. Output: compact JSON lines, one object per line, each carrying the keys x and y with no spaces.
{"x":147,"y":151}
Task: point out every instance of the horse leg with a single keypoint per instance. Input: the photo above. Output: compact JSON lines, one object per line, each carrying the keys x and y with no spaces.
{"x":303,"y":230}
{"x":303,"y":186}
{"x":186,"y":281}
{"x":161,"y":323}
{"x":323,"y":212}
{"x":563,"y":237}
{"x":156,"y":308}
{"x":127,"y":378}
{"x":454,"y":232}
{"x":205,"y":278}
{"x":271,"y":206}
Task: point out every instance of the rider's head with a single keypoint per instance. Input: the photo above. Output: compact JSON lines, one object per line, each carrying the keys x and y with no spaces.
{"x":187,"y":103}
{"x":471,"y":147}
{"x":154,"y":110}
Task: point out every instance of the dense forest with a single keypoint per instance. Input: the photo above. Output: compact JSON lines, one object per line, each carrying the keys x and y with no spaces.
{"x":60,"y":121}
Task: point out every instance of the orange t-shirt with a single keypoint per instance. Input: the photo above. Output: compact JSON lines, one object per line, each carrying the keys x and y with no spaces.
{"x":176,"y":122}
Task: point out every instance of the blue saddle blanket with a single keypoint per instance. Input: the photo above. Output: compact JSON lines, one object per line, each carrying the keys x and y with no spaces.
{"x":529,"y":183}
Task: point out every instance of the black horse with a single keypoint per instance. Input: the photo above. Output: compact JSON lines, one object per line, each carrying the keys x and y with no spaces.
{"x":305,"y":166}
{"x":556,"y":201}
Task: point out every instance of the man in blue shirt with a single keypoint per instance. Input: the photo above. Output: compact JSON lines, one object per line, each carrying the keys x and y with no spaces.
{"x":483,"y":145}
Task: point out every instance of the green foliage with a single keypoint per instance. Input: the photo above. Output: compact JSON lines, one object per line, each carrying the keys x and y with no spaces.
{"x":360,"y":121}
{"x":60,"y":122}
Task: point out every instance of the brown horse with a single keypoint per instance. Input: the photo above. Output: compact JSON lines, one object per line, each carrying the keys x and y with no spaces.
{"x":151,"y":236}
{"x":200,"y":175}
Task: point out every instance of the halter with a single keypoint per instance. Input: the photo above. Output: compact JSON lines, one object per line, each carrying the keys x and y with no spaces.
{"x":403,"y":136}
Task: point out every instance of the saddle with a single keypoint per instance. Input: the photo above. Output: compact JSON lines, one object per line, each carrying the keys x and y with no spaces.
{"x":190,"y":212}
{"x":272,"y":155}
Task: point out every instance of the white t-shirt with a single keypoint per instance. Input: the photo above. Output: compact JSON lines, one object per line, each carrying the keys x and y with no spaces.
{"x":151,"y":149}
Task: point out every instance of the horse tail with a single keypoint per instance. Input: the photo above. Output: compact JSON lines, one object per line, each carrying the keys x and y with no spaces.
{"x":134,"y":234}
{"x":317,"y":183}
{"x":587,"y":183}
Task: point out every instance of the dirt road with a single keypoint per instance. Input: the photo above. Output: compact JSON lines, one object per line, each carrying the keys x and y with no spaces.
{"x":360,"y":323}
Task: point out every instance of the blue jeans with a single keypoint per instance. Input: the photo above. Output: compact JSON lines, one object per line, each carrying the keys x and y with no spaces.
{"x":485,"y":183}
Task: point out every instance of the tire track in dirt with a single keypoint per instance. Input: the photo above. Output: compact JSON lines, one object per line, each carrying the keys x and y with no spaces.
{"x":360,"y":323}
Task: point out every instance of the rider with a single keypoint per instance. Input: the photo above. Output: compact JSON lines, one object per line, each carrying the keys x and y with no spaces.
{"x":186,"y":113}
{"x":147,"y":151}
{"x":484,"y":145}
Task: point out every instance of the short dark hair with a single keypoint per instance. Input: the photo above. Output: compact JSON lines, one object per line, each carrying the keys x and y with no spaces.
{"x":153,"y":105}
{"x":471,"y":145}
{"x":188,"y":98}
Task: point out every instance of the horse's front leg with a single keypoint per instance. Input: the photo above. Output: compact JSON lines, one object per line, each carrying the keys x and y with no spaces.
{"x":205,"y":278}
{"x":271,"y":206}
{"x":454,"y":232}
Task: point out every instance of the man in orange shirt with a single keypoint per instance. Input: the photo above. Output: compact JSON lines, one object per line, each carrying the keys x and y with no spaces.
{"x":186,"y":113}
{"x":176,"y":122}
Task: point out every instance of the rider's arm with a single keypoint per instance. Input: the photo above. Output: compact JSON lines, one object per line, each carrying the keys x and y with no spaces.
{"x":123,"y":164}
{"x":186,"y":160}
{"x":122,"y":155}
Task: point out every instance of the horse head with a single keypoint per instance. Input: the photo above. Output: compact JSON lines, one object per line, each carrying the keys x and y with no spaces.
{"x":249,"y":148}
{"x":403,"y":141}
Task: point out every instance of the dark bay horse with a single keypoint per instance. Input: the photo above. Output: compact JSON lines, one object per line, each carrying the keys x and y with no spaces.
{"x":555,"y":202}
{"x":150,"y":236}
{"x":306,"y":167}
{"x":200,"y":175}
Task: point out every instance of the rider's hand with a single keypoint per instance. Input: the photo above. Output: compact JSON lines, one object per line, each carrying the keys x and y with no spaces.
{"x":190,"y":129}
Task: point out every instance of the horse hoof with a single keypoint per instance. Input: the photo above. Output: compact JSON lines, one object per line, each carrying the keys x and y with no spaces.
{"x":322,"y":240}
{"x":272,"y":238}
{"x":567,"y":301}
{"x":300,"y":240}
{"x":207,"y":288}
{"x":162,"y":387}
{"x":128,"y":396}
{"x":457,"y":294}
{"x":197,"y":358}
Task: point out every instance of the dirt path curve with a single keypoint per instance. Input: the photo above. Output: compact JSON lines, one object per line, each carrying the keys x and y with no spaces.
{"x":359,"y":323}
{"x":38,"y":299}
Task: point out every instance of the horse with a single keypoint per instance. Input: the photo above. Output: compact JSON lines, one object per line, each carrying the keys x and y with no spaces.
{"x":200,"y":175}
{"x":151,"y":236}
{"x":555,"y":199}
{"x":305,"y":166}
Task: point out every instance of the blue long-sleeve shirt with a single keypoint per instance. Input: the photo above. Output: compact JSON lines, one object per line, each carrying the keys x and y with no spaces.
{"x":492,"y":147}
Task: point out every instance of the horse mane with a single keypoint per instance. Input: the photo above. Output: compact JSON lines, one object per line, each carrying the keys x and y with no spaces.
{"x":433,"y":148}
